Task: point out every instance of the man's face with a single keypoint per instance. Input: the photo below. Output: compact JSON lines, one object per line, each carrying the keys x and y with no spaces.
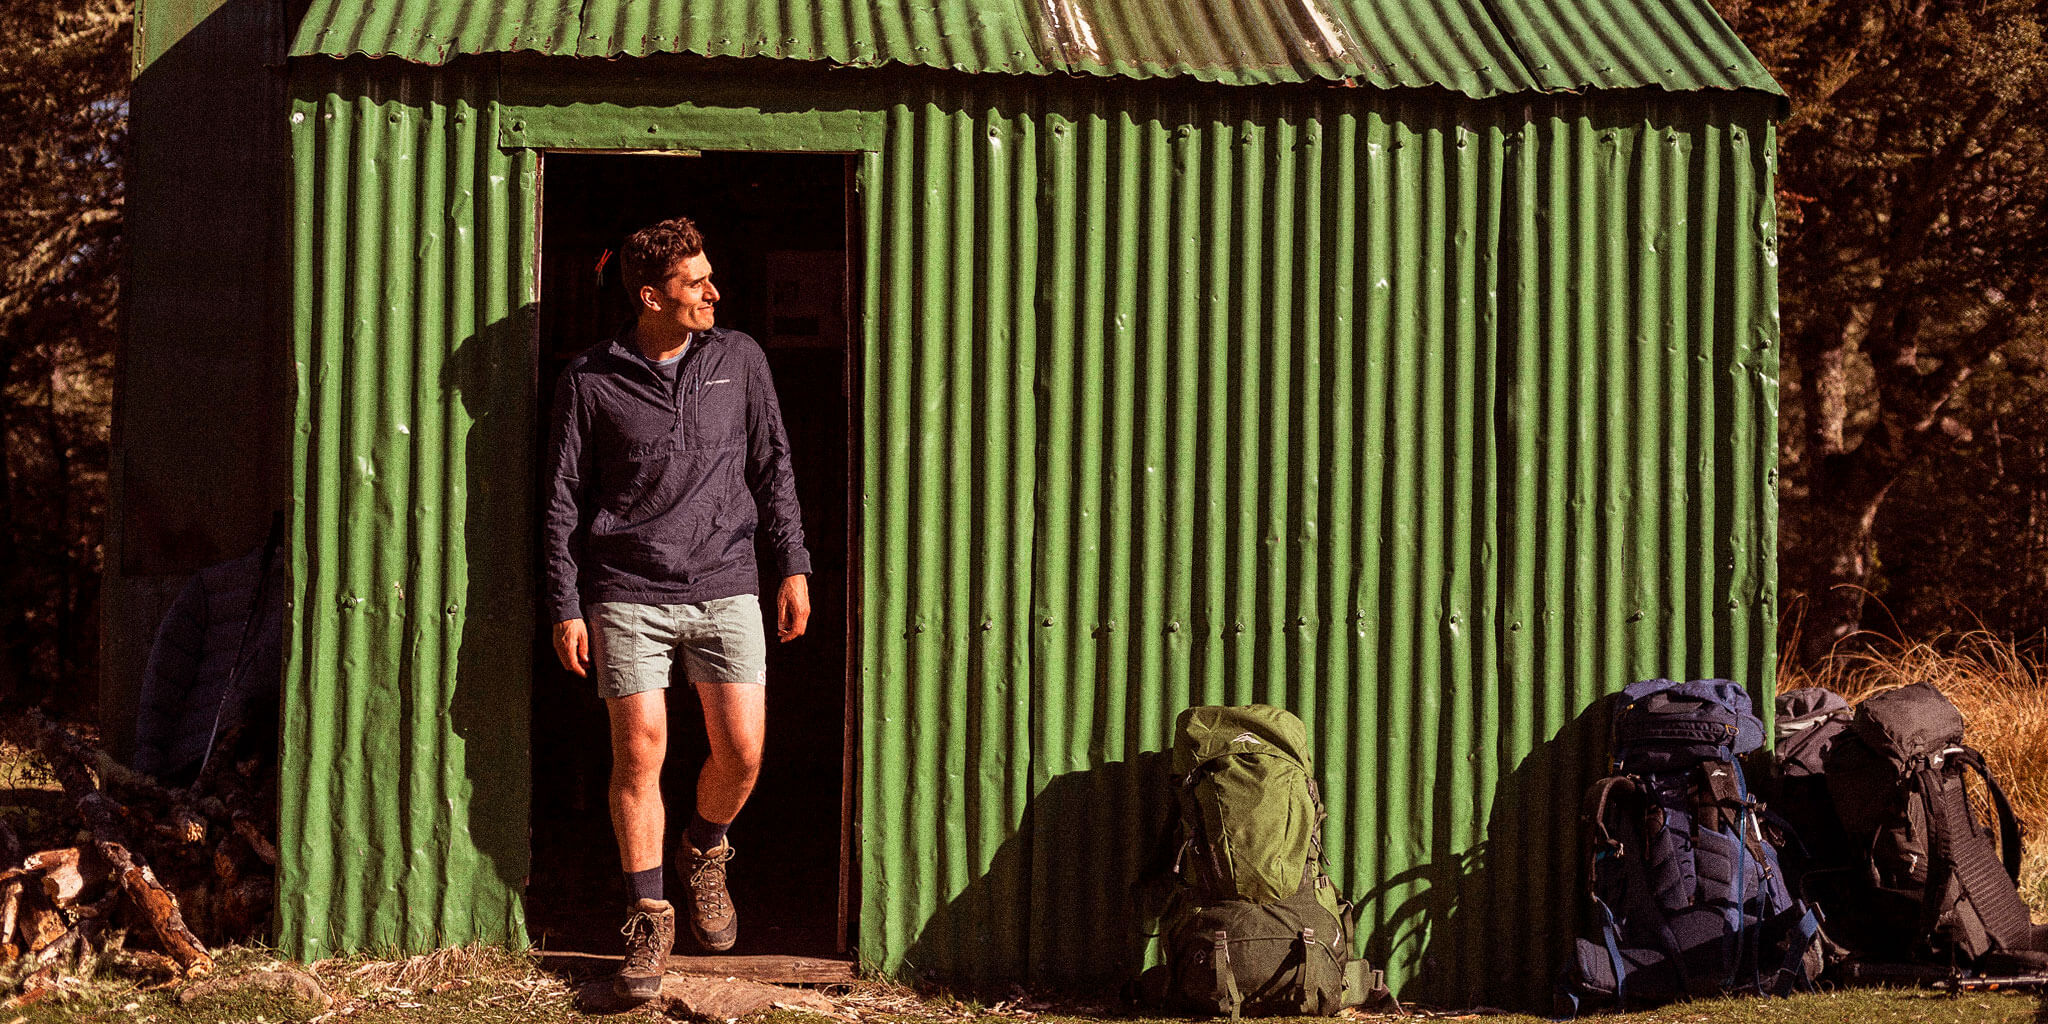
{"x":686,"y":296}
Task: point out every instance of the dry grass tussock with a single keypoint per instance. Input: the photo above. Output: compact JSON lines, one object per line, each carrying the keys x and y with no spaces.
{"x":2002,"y":692}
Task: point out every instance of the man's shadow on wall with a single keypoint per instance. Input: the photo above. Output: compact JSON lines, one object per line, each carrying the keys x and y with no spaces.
{"x":1069,"y":899}
{"x":1491,"y":926}
{"x":491,"y":374}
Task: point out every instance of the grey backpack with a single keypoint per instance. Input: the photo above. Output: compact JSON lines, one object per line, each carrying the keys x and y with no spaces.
{"x":1898,"y":859}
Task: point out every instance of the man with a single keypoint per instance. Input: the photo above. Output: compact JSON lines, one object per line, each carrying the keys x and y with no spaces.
{"x":666,"y":449}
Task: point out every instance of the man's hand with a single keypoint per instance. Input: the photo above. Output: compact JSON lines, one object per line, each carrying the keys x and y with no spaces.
{"x":572,"y":645}
{"x":792,"y":608}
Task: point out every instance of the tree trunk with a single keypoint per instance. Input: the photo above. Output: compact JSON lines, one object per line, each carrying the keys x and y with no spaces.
{"x":1848,"y":492}
{"x":13,"y":646}
{"x":67,"y":569}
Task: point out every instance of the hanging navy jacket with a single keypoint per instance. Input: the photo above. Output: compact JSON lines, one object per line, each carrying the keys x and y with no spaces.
{"x":656,"y":484}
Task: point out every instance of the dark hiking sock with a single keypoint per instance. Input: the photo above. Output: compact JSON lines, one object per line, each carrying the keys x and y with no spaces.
{"x":706,"y":835}
{"x":645,"y":885}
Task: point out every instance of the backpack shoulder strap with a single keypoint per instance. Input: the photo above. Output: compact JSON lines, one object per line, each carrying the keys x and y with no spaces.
{"x":2008,"y":823}
{"x":1640,"y":910}
{"x":1959,"y":852}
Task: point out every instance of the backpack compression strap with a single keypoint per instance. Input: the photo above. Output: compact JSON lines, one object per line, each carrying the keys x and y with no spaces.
{"x":1319,"y":973}
{"x":1226,"y":979}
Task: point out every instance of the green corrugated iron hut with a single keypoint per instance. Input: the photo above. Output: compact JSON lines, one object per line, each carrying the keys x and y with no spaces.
{"x":1409,"y":364}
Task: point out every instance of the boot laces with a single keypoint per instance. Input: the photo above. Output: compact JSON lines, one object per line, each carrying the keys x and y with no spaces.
{"x":641,"y":934}
{"x":707,"y":881}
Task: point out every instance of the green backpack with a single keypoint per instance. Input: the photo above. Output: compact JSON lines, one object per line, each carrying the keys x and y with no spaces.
{"x":1256,"y":926}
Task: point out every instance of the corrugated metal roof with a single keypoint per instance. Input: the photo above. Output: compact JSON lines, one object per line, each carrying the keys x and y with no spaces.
{"x":1477,"y":47}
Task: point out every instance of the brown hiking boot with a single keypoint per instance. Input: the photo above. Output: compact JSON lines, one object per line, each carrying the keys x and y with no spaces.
{"x":713,"y":920}
{"x":650,"y":934}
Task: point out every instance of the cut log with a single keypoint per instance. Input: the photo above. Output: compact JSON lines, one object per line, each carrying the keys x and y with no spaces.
{"x":34,"y":988}
{"x":69,"y":873}
{"x":67,"y":755}
{"x":60,"y":945}
{"x":115,"y":776}
{"x":61,"y":879}
{"x":10,"y":909}
{"x":40,"y":922}
{"x":44,"y":860}
{"x":159,"y":911}
{"x":265,"y":850}
{"x":162,"y":969}
{"x":227,"y":867}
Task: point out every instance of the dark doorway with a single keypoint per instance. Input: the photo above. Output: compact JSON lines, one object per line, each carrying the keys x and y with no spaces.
{"x":775,"y":228}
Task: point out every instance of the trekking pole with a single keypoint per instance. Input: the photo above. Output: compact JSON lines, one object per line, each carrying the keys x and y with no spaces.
{"x":2003,"y":983}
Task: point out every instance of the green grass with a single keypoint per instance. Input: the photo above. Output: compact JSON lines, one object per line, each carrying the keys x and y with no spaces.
{"x":476,"y":985}
{"x":488,"y":986}
{"x":1862,"y":1006}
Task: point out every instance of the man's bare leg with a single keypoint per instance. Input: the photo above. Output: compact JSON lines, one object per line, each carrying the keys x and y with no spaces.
{"x":639,"y":743}
{"x":735,"y":721}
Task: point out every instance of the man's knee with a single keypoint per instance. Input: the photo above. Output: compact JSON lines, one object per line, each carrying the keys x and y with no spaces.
{"x":741,"y":762}
{"x":638,"y":749}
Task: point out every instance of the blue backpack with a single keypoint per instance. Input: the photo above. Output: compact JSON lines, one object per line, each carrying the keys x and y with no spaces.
{"x":1685,"y":893}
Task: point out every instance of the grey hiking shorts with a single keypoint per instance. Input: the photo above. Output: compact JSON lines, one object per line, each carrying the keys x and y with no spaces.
{"x":633,"y":647}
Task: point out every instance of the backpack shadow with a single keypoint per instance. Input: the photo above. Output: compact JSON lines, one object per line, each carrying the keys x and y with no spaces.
{"x":1490,"y":923}
{"x":1071,"y":896}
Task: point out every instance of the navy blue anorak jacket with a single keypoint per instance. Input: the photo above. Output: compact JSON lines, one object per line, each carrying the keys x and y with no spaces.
{"x":656,"y":486}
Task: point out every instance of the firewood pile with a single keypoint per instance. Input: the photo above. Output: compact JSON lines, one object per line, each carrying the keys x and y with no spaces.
{"x":158,"y":869}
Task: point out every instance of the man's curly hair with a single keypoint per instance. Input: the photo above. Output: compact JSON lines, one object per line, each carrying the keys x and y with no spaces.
{"x":651,"y":254}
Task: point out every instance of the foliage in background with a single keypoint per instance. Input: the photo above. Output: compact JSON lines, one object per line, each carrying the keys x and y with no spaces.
{"x":63,"y":112}
{"x":1911,"y":199}
{"x":1966,"y":543}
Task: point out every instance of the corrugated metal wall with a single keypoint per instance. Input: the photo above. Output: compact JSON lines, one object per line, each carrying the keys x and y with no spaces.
{"x":404,"y":780}
{"x":1430,"y":421}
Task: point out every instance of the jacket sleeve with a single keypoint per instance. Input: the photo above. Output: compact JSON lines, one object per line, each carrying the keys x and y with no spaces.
{"x":569,"y":467}
{"x":770,"y":476}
